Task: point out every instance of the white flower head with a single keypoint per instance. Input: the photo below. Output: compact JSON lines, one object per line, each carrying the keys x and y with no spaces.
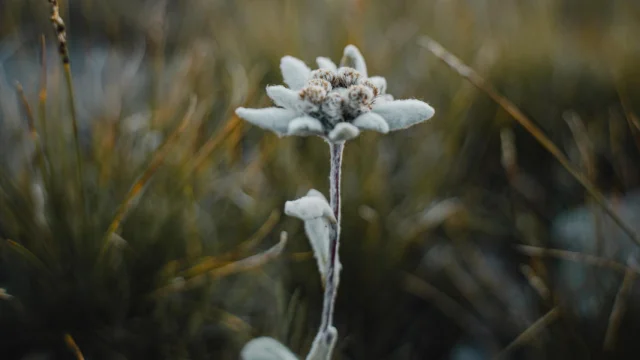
{"x":334,"y":102}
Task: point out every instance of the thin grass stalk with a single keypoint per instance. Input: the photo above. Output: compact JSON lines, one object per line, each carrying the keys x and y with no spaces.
{"x":212,"y":144}
{"x":63,"y":50}
{"x":576,"y":257}
{"x":42,"y":95}
{"x":618,"y":310}
{"x":33,"y":133}
{"x":531,"y":332}
{"x":71,"y":344}
{"x":246,"y":264}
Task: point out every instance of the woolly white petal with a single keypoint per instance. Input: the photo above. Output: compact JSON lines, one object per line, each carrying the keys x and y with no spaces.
{"x":284,"y":97}
{"x":353,"y":56}
{"x":323,"y":345}
{"x":380,"y":83}
{"x":304,"y":126}
{"x":272,"y":118}
{"x":343,"y":131}
{"x":401,"y":114}
{"x":371,"y":121}
{"x":326,"y":63}
{"x":309,"y":208}
{"x":266,"y":348}
{"x":295,"y":72}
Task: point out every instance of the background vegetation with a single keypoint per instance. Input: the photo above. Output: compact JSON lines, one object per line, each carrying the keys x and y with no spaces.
{"x":433,"y":217}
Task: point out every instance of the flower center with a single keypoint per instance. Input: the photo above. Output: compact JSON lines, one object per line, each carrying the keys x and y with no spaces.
{"x":341,"y":96}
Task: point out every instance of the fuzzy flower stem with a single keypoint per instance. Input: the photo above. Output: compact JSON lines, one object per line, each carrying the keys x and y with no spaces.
{"x":331,"y":287}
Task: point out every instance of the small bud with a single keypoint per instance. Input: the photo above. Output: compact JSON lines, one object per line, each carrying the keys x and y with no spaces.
{"x":323,"y":74}
{"x":313,"y":94}
{"x":371,"y":86}
{"x":320,"y":82}
{"x":348,"y":76}
{"x":361,"y":95}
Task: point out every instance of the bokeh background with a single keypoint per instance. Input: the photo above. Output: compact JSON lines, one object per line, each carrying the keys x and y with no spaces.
{"x":434,"y":217}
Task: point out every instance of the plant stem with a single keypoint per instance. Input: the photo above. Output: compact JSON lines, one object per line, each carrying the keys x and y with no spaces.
{"x":331,"y":287}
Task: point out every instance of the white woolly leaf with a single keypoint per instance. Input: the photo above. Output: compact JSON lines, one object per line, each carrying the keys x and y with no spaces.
{"x":284,"y":97}
{"x":317,"y":231}
{"x":309,"y":208}
{"x":316,"y":193}
{"x":272,"y":118}
{"x":326,"y":63}
{"x":401,"y":114}
{"x":353,"y":58}
{"x":294,"y":72}
{"x":380,"y":83}
{"x":304,"y":126}
{"x":266,"y":348}
{"x":323,"y":345}
{"x":343,"y":131}
{"x":371,"y":121}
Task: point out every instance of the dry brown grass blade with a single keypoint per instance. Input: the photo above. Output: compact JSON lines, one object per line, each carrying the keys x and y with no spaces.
{"x":246,"y":264}
{"x":157,"y":160}
{"x":26,"y":254}
{"x":584,"y":144}
{"x":42,"y":95}
{"x":33,"y":133}
{"x":232,"y":321}
{"x":632,"y":120}
{"x":531,"y":332}
{"x":42,"y":104}
{"x":618,"y":309}
{"x":209,"y":263}
{"x":27,"y":108}
{"x":575,"y":256}
{"x":261,"y":233}
{"x":213,"y":143}
{"x":585,"y":148}
{"x":71,"y":344}
{"x":469,"y":74}
{"x":536,"y":282}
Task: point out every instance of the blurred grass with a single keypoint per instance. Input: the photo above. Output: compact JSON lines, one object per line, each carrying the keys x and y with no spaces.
{"x":135,"y":66}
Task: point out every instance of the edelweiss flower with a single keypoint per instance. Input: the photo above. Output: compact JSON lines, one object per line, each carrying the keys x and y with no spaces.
{"x":334,"y":102}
